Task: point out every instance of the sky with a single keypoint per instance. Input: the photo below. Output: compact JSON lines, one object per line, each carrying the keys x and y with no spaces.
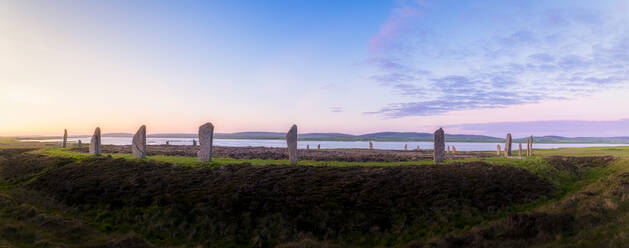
{"x":473,"y":67}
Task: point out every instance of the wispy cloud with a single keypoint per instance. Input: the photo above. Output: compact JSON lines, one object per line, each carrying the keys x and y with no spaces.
{"x":398,"y":23}
{"x":568,"y":128}
{"x":336,"y":109}
{"x":560,"y":54}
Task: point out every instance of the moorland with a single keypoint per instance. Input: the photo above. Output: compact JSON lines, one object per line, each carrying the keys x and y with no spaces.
{"x":251,"y":197}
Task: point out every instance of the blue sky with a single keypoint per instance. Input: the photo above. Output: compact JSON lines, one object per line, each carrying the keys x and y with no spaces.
{"x":328,"y":66}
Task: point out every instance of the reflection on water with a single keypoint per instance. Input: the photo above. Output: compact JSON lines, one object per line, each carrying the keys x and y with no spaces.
{"x":396,"y":145}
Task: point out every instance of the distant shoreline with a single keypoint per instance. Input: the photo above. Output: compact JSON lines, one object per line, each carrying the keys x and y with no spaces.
{"x":452,"y":138}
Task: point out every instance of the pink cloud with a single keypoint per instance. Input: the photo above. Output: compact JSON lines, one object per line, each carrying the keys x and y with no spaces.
{"x":393,"y":27}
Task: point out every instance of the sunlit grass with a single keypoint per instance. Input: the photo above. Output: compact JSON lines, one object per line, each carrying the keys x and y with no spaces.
{"x":616,"y":151}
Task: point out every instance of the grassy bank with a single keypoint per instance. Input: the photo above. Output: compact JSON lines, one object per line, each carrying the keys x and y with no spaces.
{"x":538,"y":201}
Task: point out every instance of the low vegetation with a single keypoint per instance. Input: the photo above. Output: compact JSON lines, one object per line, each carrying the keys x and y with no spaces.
{"x":55,"y":197}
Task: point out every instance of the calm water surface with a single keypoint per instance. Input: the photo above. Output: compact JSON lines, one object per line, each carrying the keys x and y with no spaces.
{"x":393,"y":145}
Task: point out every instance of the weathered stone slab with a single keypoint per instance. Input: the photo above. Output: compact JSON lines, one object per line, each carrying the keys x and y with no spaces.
{"x":529,"y":150}
{"x":138,"y":144}
{"x":79,"y":144}
{"x":307,"y":147}
{"x":418,"y":149}
{"x":439,"y":140}
{"x":95,"y":145}
{"x":520,"y":149}
{"x":194,"y":142}
{"x":206,"y":139}
{"x":498,"y":150}
{"x":319,"y":147}
{"x":370,"y":145}
{"x":448,"y":149}
{"x":405,"y":147}
{"x":65,"y":138}
{"x":508,"y":146}
{"x":453,"y":149}
{"x":291,"y":143}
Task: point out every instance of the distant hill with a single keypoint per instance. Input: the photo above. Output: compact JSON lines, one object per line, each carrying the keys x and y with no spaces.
{"x":381,"y":136}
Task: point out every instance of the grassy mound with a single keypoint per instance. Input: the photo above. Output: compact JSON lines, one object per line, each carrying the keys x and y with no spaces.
{"x":266,"y":205}
{"x":119,"y":202}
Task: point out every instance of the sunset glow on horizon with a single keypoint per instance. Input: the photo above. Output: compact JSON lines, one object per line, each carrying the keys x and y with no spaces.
{"x":349,"y":67}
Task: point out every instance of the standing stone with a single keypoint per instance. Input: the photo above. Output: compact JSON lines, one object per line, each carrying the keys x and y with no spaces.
{"x":448,"y":149}
{"x":291,"y":143}
{"x":206,"y":137}
{"x":453,"y":149}
{"x":508,"y":146}
{"x":194,"y":142}
{"x":418,"y":149}
{"x":79,"y":143}
{"x":498,"y":150}
{"x":438,"y":153}
{"x":65,"y":138}
{"x":520,"y":149}
{"x":307,"y":147}
{"x":138,"y":145}
{"x":167,"y":143}
{"x":319,"y":147}
{"x":370,"y":145}
{"x":405,"y":147}
{"x":530,"y":148}
{"x":95,"y":143}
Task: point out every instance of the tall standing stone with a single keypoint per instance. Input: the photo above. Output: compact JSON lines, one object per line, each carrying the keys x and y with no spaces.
{"x":307,"y":147}
{"x":498,"y":150}
{"x":291,"y":143}
{"x":448,"y":149}
{"x":529,"y":150}
{"x":319,"y":147}
{"x":65,"y":138}
{"x":405,"y":147}
{"x":194,"y":142}
{"x":439,"y":152}
{"x":138,"y":145}
{"x":79,"y":144}
{"x":520,"y":149}
{"x":508,"y":146}
{"x":370,"y":145}
{"x":418,"y":149}
{"x":95,"y":143}
{"x":206,"y":137}
{"x":453,"y":149}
